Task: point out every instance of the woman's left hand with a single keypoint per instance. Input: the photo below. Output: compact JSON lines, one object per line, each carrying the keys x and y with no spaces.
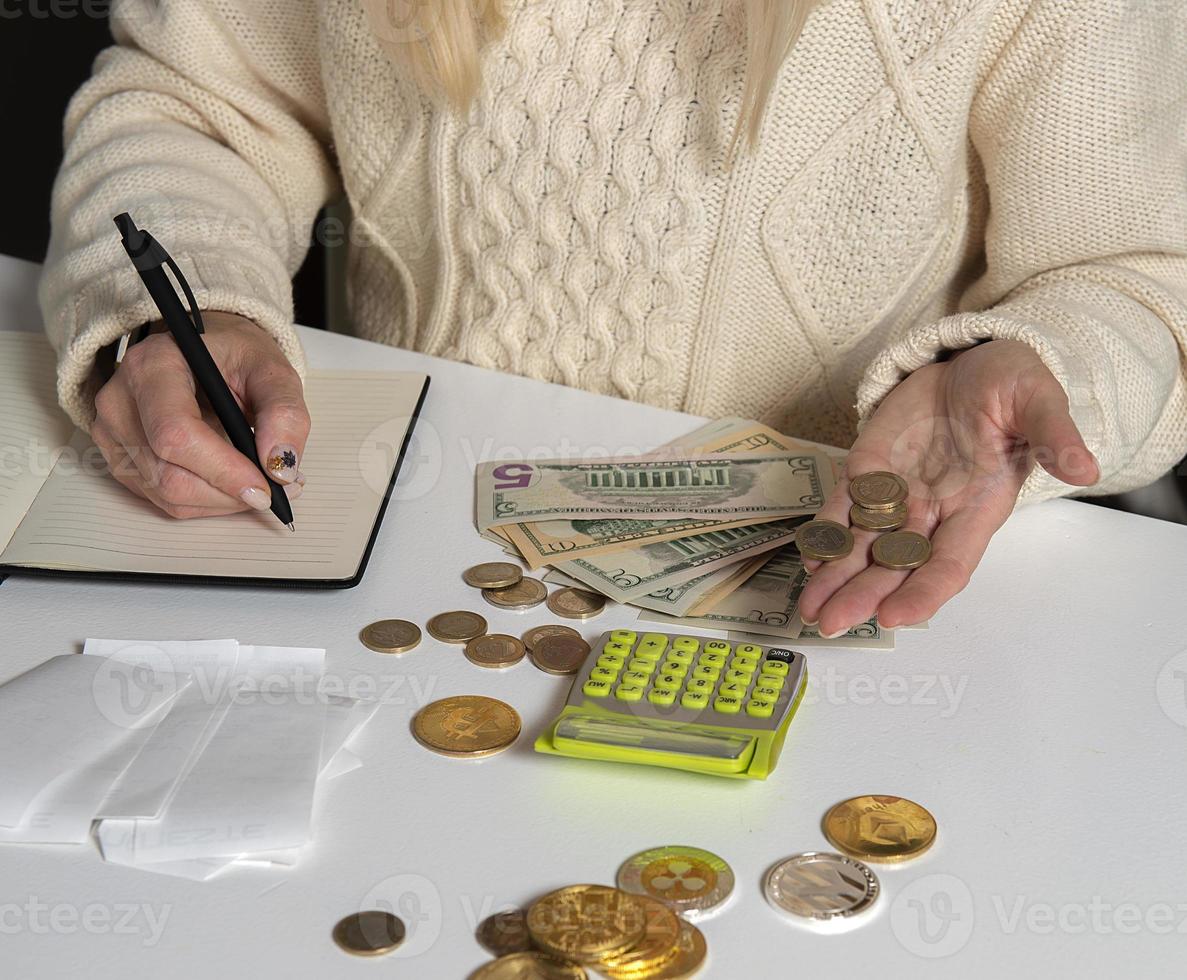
{"x":964,"y":434}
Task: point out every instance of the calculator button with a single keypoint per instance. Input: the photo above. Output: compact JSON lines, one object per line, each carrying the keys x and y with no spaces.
{"x":771,"y":680}
{"x":706,"y":672}
{"x":768,"y":695}
{"x":651,"y":652}
{"x":748,"y":666}
{"x":674,"y":667}
{"x":717,"y":646}
{"x":681,"y":656}
{"x":694,"y":699}
{"x":711,"y":659}
{"x":595,"y":689}
{"x":702,"y":685}
{"x":777,"y":653}
{"x":668,"y":682}
{"x":617,"y":649}
{"x":627,"y":637}
{"x":611,"y":661}
{"x":641,"y":665}
{"x":732,"y":691}
{"x":727,"y":705}
{"x":624,"y":693}
{"x":686,"y":644}
{"x":739,"y":677}
{"x":774,"y":666}
{"x":603,"y":674}
{"x":662,"y":696}
{"x":635,"y":678}
{"x":748,"y":651}
{"x":759,"y":709}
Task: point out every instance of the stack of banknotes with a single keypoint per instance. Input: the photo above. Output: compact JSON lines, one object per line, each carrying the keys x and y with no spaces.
{"x":700,"y":532}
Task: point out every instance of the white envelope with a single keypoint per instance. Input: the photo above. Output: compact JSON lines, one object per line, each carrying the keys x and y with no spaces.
{"x":65,"y":716}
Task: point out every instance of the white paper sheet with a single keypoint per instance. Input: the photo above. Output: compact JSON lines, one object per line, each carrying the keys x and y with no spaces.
{"x":66,"y":717}
{"x":147,"y":785}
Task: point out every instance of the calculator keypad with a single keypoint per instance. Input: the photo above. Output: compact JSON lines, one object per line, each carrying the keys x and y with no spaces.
{"x":639,"y":673}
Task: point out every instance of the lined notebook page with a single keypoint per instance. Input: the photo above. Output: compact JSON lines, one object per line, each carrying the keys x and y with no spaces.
{"x":85,"y":520}
{"x":33,"y":430}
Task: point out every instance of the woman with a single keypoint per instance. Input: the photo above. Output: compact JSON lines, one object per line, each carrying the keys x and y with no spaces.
{"x":799,"y":212}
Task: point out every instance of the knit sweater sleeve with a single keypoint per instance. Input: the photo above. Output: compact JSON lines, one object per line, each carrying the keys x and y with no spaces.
{"x":1080,"y":125}
{"x":206,"y":121}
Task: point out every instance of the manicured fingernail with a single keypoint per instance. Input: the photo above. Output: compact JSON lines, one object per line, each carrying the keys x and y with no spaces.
{"x":294,"y":490}
{"x":814,"y":622}
{"x":282,"y":463}
{"x":832,"y":636}
{"x":256,"y":498}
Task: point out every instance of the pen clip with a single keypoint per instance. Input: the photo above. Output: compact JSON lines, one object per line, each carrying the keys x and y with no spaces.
{"x":185,"y":288}
{"x":147,"y":253}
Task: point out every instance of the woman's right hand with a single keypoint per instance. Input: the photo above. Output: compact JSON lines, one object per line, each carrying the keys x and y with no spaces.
{"x":160,"y":444}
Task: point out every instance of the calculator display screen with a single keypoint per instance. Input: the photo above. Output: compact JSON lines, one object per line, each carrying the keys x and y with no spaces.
{"x":654,"y":736}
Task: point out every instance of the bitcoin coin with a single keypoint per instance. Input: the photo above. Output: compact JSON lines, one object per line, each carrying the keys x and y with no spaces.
{"x":560,"y":654}
{"x":878,"y":520}
{"x":537,"y":633}
{"x":878,"y":490}
{"x":576,"y":603}
{"x":456,"y":627}
{"x":466,"y":726}
{"x":492,"y":575}
{"x":880,"y":828}
{"x":689,"y":880}
{"x":370,"y":933}
{"x":823,"y":540}
{"x":529,"y":966}
{"x":657,"y":947}
{"x":901,"y":550}
{"x":821,"y":886}
{"x":505,"y":932}
{"x":524,"y":594}
{"x":587,"y":923}
{"x":390,"y":636}
{"x":494,"y":650}
{"x":688,"y":959}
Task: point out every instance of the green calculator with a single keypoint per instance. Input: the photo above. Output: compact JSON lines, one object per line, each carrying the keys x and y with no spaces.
{"x":684,"y":702}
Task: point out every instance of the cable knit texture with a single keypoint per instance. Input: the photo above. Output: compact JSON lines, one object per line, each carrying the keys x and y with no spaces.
{"x":584,"y":223}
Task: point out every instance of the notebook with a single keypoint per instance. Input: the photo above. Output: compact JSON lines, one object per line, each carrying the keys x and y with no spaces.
{"x":62,"y":513}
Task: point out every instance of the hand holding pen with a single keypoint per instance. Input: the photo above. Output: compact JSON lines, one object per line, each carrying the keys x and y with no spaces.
{"x":160,"y":445}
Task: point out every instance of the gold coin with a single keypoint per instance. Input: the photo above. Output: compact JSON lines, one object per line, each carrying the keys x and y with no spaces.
{"x":467,"y":726}
{"x":456,"y":627}
{"x":492,"y":575}
{"x":692,"y":881}
{"x":390,"y":636}
{"x":370,"y":933}
{"x":576,"y":603}
{"x":654,"y":950}
{"x":878,"y":520}
{"x":889,"y":829}
{"x":524,"y":594}
{"x":505,"y":932}
{"x":529,"y":966}
{"x":560,"y":654}
{"x":823,"y":540}
{"x":537,"y":633}
{"x":689,"y":957}
{"x":587,"y":923}
{"x":494,"y":650}
{"x":901,"y":550}
{"x":878,"y":490}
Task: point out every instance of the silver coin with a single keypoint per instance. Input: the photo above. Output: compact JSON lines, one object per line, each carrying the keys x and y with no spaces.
{"x":692,"y":882}
{"x":821,"y":886}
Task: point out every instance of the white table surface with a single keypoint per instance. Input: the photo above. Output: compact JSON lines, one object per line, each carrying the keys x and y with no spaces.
{"x":1042,"y":719}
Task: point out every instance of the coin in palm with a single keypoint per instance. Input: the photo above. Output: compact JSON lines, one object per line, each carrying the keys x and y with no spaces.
{"x":823,"y":540}
{"x":878,"y":490}
{"x":901,"y":550}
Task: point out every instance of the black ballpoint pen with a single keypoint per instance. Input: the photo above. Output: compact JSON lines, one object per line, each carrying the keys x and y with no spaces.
{"x":150,"y":259}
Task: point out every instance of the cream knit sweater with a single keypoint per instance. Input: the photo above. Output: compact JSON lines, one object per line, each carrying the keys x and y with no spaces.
{"x":581,"y":224}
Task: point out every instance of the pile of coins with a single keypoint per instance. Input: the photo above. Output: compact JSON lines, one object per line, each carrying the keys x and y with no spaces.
{"x":879,"y":504}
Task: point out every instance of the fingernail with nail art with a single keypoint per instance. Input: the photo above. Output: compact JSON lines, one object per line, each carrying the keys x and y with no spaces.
{"x":282,"y":463}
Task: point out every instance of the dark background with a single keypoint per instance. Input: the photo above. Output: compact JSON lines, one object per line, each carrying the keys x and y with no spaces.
{"x":46,"y":50}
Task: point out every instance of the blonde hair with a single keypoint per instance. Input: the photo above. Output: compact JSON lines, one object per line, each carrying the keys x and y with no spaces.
{"x":440,"y":42}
